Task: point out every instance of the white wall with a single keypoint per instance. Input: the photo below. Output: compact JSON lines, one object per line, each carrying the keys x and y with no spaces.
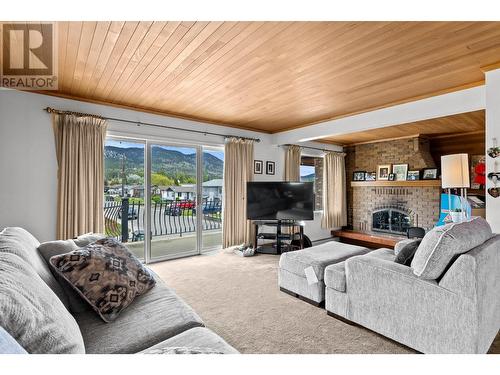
{"x":492,"y":131}
{"x":28,"y":167}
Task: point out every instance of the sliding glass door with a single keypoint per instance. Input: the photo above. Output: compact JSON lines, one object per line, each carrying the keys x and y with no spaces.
{"x":124,"y":192}
{"x":174,"y":227}
{"x":212,"y":190}
{"x":171,"y":194}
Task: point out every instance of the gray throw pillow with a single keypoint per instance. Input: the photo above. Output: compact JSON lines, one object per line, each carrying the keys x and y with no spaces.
{"x":405,"y":255}
{"x":443,"y":244}
{"x":32,"y":313}
{"x":76,"y":303}
{"x":401,"y":244}
{"x":106,"y":274}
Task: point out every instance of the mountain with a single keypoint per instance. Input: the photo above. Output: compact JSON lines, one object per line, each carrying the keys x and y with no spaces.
{"x":168,"y":162}
{"x":308,"y":178}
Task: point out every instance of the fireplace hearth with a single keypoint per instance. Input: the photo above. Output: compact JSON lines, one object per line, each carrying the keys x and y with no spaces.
{"x":392,"y":219}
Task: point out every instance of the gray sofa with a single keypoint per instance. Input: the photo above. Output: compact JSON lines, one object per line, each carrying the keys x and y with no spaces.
{"x":36,"y":310}
{"x":448,"y":301}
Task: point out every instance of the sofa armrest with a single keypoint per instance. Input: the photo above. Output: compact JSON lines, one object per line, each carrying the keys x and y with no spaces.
{"x":398,"y":272}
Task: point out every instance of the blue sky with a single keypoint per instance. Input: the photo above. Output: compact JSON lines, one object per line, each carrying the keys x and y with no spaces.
{"x":306,"y":170}
{"x":184,"y":150}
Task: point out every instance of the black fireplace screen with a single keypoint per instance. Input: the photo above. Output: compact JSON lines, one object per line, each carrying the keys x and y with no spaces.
{"x":391,"y":220}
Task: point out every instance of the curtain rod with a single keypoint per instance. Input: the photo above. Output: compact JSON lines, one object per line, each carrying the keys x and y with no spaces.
{"x":140,"y":123}
{"x":312,"y":148}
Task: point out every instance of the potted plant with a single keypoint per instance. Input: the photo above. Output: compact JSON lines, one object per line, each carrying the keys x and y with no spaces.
{"x":457,"y":215}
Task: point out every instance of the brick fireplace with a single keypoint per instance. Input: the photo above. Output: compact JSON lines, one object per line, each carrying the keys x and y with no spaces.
{"x":398,"y":207}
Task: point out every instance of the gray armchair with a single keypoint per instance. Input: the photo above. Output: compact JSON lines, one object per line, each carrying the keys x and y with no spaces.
{"x":458,"y":313}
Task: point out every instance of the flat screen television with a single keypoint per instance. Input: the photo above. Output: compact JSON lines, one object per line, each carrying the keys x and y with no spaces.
{"x":280,"y":201}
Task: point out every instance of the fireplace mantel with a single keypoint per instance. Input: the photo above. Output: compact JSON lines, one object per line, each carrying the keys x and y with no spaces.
{"x":418,"y":183}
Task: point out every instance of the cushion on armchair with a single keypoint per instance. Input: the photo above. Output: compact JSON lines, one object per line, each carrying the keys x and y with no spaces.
{"x":442,"y":244}
{"x":406,"y":254}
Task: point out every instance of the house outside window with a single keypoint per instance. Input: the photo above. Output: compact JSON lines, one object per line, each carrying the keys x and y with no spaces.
{"x":311,"y":170}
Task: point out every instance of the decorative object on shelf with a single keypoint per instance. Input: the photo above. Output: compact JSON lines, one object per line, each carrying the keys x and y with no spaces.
{"x":413,"y":176}
{"x":383,"y":172}
{"x":370,"y":176}
{"x":494,"y":177}
{"x":494,"y":192}
{"x":358,"y":176}
{"x":401,"y":171}
{"x":478,"y":171}
{"x":392,"y":177}
{"x":257,"y":166}
{"x":270,"y":167}
{"x":432,"y":173}
{"x":494,"y":152}
{"x":455,"y":174}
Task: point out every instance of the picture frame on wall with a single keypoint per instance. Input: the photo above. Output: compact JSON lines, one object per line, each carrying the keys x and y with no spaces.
{"x":258,"y":166}
{"x":383,"y":172}
{"x":270,"y":167}
{"x":400,"y":171}
{"x":358,"y":176}
{"x":370,"y":176}
{"x":429,"y":174}
{"x":413,"y":176}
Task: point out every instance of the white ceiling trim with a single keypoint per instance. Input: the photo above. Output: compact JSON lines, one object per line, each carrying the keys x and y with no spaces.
{"x":462,"y":101}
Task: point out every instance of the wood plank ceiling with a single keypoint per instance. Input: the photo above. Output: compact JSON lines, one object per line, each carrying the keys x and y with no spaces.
{"x":269,"y":76}
{"x":470,"y":122}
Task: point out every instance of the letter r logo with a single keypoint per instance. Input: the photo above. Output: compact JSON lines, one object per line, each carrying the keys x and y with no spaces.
{"x":27,"y":49}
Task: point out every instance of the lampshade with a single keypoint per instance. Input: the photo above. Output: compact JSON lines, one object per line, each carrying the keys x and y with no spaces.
{"x":455,"y":171}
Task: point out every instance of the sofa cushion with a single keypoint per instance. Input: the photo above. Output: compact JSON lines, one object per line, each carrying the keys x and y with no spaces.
{"x":153,"y":317}
{"x":52,"y":248}
{"x":318,"y":257}
{"x":442,"y":244}
{"x":32,"y":314}
{"x":20,"y":242}
{"x":335,"y":277}
{"x":199,"y":340}
{"x":106,"y":274}
{"x":335,"y":274}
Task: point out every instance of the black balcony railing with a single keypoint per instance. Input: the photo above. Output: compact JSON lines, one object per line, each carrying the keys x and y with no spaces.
{"x":124,"y":220}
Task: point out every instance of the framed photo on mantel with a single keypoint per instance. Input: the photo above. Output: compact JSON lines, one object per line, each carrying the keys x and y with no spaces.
{"x":383,"y":172}
{"x":400,"y":171}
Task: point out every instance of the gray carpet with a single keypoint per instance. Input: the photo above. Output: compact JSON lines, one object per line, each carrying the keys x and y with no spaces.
{"x":239,"y":299}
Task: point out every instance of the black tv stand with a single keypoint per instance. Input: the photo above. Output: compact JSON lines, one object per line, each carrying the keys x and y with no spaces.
{"x":277,"y":246}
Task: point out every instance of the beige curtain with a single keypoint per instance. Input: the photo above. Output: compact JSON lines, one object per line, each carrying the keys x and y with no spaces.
{"x":334,"y":191}
{"x":80,"y":157}
{"x":292,"y":164}
{"x":238,"y":160}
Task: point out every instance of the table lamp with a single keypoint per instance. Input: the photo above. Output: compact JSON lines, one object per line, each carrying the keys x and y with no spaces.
{"x":455,"y":174}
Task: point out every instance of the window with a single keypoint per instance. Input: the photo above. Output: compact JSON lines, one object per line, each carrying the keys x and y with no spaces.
{"x":311,"y":170}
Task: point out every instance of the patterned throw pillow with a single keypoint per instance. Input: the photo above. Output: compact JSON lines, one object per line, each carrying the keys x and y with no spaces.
{"x":106,"y":274}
